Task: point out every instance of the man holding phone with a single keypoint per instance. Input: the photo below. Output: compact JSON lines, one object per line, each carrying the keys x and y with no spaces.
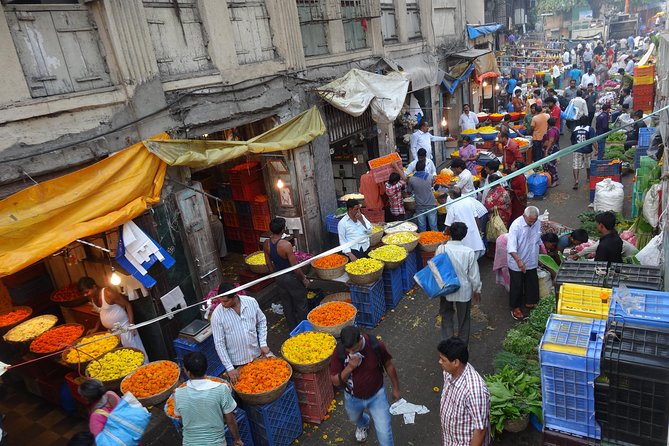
{"x":352,"y":227}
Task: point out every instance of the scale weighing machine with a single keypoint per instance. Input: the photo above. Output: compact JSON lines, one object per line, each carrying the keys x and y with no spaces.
{"x":197,"y":331}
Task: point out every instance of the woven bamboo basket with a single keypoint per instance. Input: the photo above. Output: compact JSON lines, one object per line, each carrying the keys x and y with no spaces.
{"x":404,"y":226}
{"x":518,"y":424}
{"x":337,"y":297}
{"x":11,"y":336}
{"x":114,"y":384}
{"x":258,"y":269}
{"x":365,"y":279}
{"x":8,"y":327}
{"x":308,"y":368}
{"x":376,"y":237}
{"x":54,"y":328}
{"x":334,"y":330}
{"x":394,"y":264}
{"x":154,"y":400}
{"x":429,"y":247}
{"x":265,"y":397}
{"x":85,"y":358}
{"x":329,"y":273}
{"x":410,"y":246}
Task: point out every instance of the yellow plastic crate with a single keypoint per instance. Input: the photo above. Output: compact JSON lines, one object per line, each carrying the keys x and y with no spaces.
{"x":644,"y":80}
{"x":584,"y":301}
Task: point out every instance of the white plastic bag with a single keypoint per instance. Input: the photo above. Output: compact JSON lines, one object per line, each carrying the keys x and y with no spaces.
{"x":651,"y":205}
{"x":609,"y":196}
{"x":651,"y":254}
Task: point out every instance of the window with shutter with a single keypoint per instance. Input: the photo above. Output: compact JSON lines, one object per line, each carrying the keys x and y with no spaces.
{"x":59,"y":48}
{"x":313,"y":26}
{"x":413,"y":19}
{"x":355,"y":18}
{"x":389,"y":25}
{"x":253,"y":35}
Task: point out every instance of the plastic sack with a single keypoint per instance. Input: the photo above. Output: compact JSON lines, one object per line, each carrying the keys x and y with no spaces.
{"x":496,"y":226}
{"x":434,"y":285}
{"x":125,"y":424}
{"x":609,"y":196}
{"x":651,"y":205}
{"x":545,"y":283}
{"x":570,"y":112}
{"x":537,"y":184}
{"x":651,"y":254}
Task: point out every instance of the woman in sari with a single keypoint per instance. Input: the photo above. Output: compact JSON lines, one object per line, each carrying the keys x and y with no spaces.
{"x":498,"y":198}
{"x":468,"y":154}
{"x":518,"y":192}
{"x":551,"y":146}
{"x":609,"y":57}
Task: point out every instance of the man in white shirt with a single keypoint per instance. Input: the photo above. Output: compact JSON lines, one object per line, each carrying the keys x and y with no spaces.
{"x":468,"y":211}
{"x":352,"y":227}
{"x":430,"y":168}
{"x":466,"y":267}
{"x":239,"y":328}
{"x":468,"y":119}
{"x":566,"y":57}
{"x":589,"y":78}
{"x":522,"y":257}
{"x":422,"y":138}
{"x":465,"y":180}
{"x":581,"y":105}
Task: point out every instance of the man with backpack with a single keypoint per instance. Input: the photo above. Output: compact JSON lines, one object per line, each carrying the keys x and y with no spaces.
{"x":357,"y":365}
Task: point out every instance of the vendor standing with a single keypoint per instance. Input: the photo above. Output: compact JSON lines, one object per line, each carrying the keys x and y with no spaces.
{"x":468,"y":119}
{"x":353,"y":227}
{"x":114,"y":308}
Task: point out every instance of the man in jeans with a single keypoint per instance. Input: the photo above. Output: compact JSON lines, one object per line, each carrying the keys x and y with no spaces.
{"x":421,"y":185}
{"x":357,"y":364}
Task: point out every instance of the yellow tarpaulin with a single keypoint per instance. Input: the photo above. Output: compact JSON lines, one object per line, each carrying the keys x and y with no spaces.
{"x":300,"y":130}
{"x":44,"y":218}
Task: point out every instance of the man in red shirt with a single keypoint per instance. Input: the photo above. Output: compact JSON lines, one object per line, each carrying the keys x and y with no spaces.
{"x":511,"y":152}
{"x":554,"y":110}
{"x":357,"y":364}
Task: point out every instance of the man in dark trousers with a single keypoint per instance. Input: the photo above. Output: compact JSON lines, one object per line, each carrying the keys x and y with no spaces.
{"x":292,"y":285}
{"x":357,"y":364}
{"x":610,"y":247}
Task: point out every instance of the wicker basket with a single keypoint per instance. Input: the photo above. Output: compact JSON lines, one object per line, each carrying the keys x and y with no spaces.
{"x":258,"y":269}
{"x":83,"y":329}
{"x":114,"y":384}
{"x":365,"y":279}
{"x":393,"y":265}
{"x":160,"y":397}
{"x":265,"y":397}
{"x":334,"y":330}
{"x":337,"y":297}
{"x":329,"y":273}
{"x":308,"y":368}
{"x":517,"y":424}
{"x":410,"y":246}
{"x":6,"y":328}
{"x":376,"y":237}
{"x":403,"y":226}
{"x":85,"y":357}
{"x":71,"y":303}
{"x":50,"y":322}
{"x":429,"y":247}
{"x":409,"y":205}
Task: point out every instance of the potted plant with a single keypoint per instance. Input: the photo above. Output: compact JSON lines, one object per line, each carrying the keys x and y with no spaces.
{"x":513,"y":397}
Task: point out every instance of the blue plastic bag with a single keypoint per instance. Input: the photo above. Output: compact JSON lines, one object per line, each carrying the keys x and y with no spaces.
{"x":537,"y":184}
{"x":570,"y":111}
{"x":438,"y":278}
{"x":125,"y":426}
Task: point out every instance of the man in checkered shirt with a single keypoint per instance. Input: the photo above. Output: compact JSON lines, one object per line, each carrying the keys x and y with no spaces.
{"x":465,"y":401}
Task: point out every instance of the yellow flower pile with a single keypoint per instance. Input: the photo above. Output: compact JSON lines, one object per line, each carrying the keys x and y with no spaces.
{"x":256,"y":259}
{"x":31,"y":328}
{"x":399,"y":238}
{"x":116,"y":364}
{"x":456,"y":153}
{"x":308,"y":348}
{"x":363,"y":266}
{"x":469,"y":131}
{"x":487,"y":129}
{"x":84,"y":353}
{"x":389,"y":253}
{"x":376,"y":228}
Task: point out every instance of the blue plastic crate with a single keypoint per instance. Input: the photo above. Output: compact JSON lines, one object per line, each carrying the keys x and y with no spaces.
{"x":408,"y":271}
{"x":370,"y":302}
{"x":569,"y":355}
{"x":602,"y":168}
{"x":277,"y":423}
{"x":331,"y":223}
{"x":302,"y":327}
{"x":638,"y":153}
{"x":645,"y":133}
{"x":644,"y":307}
{"x":242,"y":425}
{"x":392,"y":285}
{"x":207,"y":348}
{"x":419,"y":260}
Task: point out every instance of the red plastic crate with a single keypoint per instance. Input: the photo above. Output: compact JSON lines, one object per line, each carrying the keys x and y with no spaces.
{"x":233,"y":234}
{"x":374,"y":216}
{"x":245,"y":221}
{"x":230,"y":220}
{"x":314,"y":394}
{"x":260,"y":206}
{"x":643,"y":89}
{"x":260,"y":222}
{"x":595,"y":180}
{"x":228,"y":207}
{"x":246,"y":190}
{"x":73,"y":380}
{"x":246,"y":276}
{"x":426,"y":256}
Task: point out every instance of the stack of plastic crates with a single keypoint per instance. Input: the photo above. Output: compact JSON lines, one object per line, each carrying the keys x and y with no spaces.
{"x":277,"y":423}
{"x":584,"y":301}
{"x":370,"y":302}
{"x":569,"y":355}
{"x":645,"y":134}
{"x":408,"y":271}
{"x":246,"y":181}
{"x":332,"y":223}
{"x":243,"y":426}
{"x":632,"y":395}
{"x":314,"y":394}
{"x":182,"y":346}
{"x":601,"y":169}
{"x":260,"y":213}
{"x":392,"y":285}
{"x":583,"y":273}
{"x":635,"y":276}
{"x":640,"y":306}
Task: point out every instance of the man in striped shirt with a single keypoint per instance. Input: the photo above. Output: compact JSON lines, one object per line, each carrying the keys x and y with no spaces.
{"x":239,"y":328}
{"x":465,"y":401}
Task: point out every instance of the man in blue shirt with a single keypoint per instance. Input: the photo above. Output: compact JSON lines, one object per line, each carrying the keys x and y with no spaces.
{"x":575,"y":74}
{"x":511,"y":85}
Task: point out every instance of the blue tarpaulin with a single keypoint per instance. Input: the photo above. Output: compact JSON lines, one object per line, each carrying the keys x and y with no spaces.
{"x":474,"y":31}
{"x":450,"y":83}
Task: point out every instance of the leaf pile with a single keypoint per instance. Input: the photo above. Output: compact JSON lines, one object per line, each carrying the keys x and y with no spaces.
{"x":512,"y":395}
{"x":521,"y":344}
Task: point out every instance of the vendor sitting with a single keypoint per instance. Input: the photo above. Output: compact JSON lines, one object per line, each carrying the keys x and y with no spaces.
{"x":468,"y":154}
{"x":354,"y":227}
{"x":511,"y":151}
{"x":572,"y":239}
{"x":633,"y":134}
{"x":551,"y":242}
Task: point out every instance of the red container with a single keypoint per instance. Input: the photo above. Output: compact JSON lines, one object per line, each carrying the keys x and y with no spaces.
{"x":230,"y":220}
{"x":260,"y":206}
{"x":233,"y":234}
{"x":228,"y":207}
{"x":246,"y":276}
{"x":374,"y":216}
{"x":73,"y":380}
{"x":382,"y":174}
{"x":595,"y":180}
{"x":245,"y":222}
{"x":261,"y":222}
{"x":643,"y":90}
{"x":426,"y":256}
{"x":314,"y":394}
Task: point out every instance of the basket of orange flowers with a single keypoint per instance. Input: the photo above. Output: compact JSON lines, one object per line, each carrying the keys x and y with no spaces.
{"x":331,"y":317}
{"x":152,"y":383}
{"x":330,"y":267}
{"x":263,"y":380}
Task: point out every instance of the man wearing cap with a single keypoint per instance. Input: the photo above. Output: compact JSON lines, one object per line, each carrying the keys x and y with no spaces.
{"x":357,"y":365}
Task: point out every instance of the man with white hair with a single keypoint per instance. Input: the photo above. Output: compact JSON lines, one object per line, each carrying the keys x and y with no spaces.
{"x":522,"y":249}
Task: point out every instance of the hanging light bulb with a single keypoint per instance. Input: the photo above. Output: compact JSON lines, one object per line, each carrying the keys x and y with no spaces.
{"x":115,"y":279}
{"x":279,"y":183}
{"x":444,"y":123}
{"x":496,"y":87}
{"x":355,"y":160}
{"x":485,"y":83}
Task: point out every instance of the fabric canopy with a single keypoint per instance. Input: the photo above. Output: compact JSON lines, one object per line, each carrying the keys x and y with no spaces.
{"x":475,"y":31}
{"x":359,"y":89}
{"x":298,"y":131}
{"x":46,"y":217}
{"x":486,"y":66}
{"x":451,"y":82}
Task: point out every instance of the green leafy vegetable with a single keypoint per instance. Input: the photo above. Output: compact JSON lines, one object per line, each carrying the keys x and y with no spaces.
{"x":539,"y":315}
{"x":518,"y":363}
{"x":512,"y":395}
{"x":521,"y":344}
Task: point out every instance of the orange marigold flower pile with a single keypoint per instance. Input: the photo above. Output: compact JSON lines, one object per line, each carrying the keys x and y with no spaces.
{"x":430,"y":237}
{"x":331,"y":313}
{"x":151,"y":379}
{"x":262,"y":375}
{"x":331,"y":261}
{"x":13,"y":317}
{"x":56,"y":338}
{"x":443,"y":179}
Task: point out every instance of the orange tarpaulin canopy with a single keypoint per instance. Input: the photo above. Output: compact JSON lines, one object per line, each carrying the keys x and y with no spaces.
{"x":46,"y":217}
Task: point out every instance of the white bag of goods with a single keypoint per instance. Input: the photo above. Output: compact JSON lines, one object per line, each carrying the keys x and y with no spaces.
{"x":545,"y":283}
{"x":609,"y":196}
{"x":651,"y":254}
{"x":651,"y":205}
